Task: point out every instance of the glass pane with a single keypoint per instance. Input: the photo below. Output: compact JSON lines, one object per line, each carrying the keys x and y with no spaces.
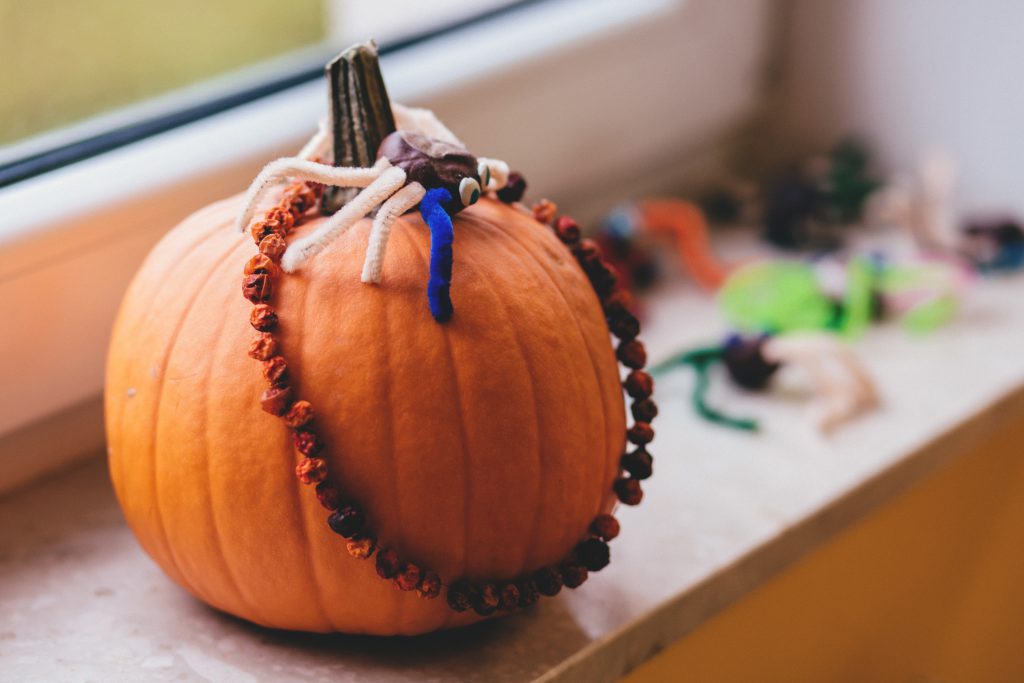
{"x":63,"y":61}
{"x":81,"y":62}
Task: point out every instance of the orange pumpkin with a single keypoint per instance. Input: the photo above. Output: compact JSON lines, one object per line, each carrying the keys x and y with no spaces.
{"x":483,"y":447}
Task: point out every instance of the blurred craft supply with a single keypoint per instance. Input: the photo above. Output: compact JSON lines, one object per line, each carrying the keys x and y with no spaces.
{"x":842,"y":386}
{"x":777,"y":297}
{"x":630,"y":232}
{"x":994,"y":245}
{"x":922,"y":204}
{"x":808,"y":204}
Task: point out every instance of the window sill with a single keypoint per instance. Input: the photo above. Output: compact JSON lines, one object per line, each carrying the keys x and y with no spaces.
{"x":725,"y":512}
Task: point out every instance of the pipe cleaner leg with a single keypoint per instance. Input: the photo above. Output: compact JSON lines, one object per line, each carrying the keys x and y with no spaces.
{"x":400,"y":202}
{"x":302,"y":169}
{"x":363,"y":203}
{"x":842,"y":386}
{"x":441,"y":237}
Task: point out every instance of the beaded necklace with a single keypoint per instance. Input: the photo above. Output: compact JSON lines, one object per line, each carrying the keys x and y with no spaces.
{"x":345,"y":518}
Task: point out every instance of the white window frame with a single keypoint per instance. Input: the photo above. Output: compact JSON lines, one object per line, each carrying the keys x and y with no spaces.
{"x":665,"y":80}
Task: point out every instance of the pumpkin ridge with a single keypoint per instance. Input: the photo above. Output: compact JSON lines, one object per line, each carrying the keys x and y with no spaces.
{"x":542,"y":480}
{"x":399,"y":603}
{"x":151,"y":311}
{"x":467,"y":480}
{"x":527,"y":247}
{"x":153,"y":448}
{"x":207,"y":452}
{"x":296,"y":485}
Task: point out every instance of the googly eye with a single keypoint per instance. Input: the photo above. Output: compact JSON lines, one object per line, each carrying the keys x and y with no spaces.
{"x":484,"y":171}
{"x":469,"y":191}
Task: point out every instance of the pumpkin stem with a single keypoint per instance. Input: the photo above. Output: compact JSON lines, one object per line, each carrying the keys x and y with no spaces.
{"x":360,"y":114}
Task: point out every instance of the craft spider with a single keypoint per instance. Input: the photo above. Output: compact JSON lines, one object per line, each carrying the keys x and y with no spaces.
{"x":421,"y":163}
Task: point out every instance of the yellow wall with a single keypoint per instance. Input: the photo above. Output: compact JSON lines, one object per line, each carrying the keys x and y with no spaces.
{"x":928,"y":588}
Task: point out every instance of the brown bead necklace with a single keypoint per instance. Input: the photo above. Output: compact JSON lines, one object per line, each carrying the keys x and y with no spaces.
{"x":347,"y":519}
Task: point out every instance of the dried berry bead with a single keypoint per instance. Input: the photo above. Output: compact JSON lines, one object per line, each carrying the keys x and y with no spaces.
{"x":361,"y":546}
{"x":263,"y":317}
{"x":257,"y":288}
{"x":514,"y":189}
{"x":311,"y":470}
{"x":640,"y":434}
{"x":308,"y":196}
{"x":528,"y":593}
{"x":605,"y":526}
{"x":619,"y":300}
{"x":276,"y":400}
{"x":628,"y":491}
{"x":587,"y":252}
{"x":409,"y":577}
{"x":485,"y":599}
{"x":644,"y":410}
{"x":548,"y":580}
{"x":639,"y":384}
{"x":299,"y":198}
{"x":388,"y":564}
{"x":430,"y":586}
{"x":299,"y":415}
{"x":260,"y":263}
{"x":328,"y":495}
{"x":317,"y":188}
{"x":544,"y":211}
{"x":273,"y":247}
{"x":603,"y":277}
{"x":458,"y":596}
{"x":568,"y":230}
{"x":623,"y":324}
{"x":593,"y":554}
{"x":260,"y":230}
{"x":347,"y":522}
{"x":275,"y":371}
{"x":263,"y":347}
{"x":638,"y":463}
{"x":307,"y":443}
{"x":508,"y":596}
{"x":281,"y":216}
{"x":632,"y":354}
{"x":573,"y":574}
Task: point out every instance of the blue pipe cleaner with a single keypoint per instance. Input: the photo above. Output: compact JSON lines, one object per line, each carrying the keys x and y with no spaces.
{"x":441,"y":236}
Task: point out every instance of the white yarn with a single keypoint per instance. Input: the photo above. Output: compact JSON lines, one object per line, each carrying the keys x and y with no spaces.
{"x":843,"y":387}
{"x":400,"y":202}
{"x":376,"y":192}
{"x":290,"y":167}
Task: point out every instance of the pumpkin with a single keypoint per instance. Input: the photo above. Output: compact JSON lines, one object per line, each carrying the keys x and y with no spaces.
{"x":483,"y":447}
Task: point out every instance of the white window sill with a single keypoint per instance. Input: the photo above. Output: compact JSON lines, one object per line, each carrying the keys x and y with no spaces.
{"x":724,"y":512}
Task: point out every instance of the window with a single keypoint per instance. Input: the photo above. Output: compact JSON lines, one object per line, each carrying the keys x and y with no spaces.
{"x":67,"y":86}
{"x":65,"y":61}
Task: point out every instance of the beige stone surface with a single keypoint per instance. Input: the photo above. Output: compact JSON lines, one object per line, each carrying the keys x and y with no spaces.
{"x":79,"y":601}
